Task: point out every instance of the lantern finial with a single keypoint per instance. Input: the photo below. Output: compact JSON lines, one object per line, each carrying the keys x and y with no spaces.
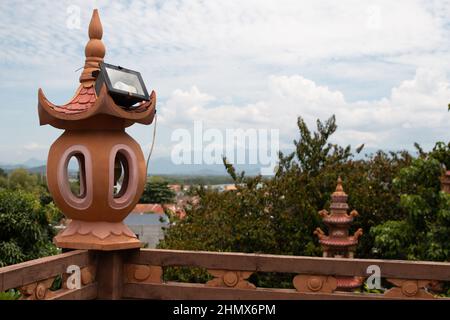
{"x":339,"y":189}
{"x":94,"y":50}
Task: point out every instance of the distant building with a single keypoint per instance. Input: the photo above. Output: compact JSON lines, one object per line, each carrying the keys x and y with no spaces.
{"x":223,"y":187}
{"x":148,"y":208}
{"x":148,"y":227}
{"x":229,"y":187}
{"x":147,"y":221}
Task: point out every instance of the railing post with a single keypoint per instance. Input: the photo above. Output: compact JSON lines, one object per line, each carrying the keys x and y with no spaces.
{"x":110,"y":274}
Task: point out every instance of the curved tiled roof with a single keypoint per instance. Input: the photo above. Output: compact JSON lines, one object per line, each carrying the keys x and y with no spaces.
{"x":339,"y":242}
{"x":83,"y":100}
{"x":86,"y":104}
{"x":338,"y":219}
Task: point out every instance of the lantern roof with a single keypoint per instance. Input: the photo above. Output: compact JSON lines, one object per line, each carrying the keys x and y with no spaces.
{"x":86,"y":103}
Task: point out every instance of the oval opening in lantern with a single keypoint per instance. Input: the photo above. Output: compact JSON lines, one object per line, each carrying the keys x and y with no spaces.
{"x":121,"y":175}
{"x":76,"y":175}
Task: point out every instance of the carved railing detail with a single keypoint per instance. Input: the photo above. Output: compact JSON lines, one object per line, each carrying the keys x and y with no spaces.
{"x":314,"y":283}
{"x":34,"y":278}
{"x":138,"y":273}
{"x":230,"y":279}
{"x":38,"y":290}
{"x":88,"y":274}
{"x":405,"y":288}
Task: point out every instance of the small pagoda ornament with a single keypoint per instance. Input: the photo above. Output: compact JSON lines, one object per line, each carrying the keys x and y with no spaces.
{"x":339,"y":244}
{"x":112,"y":168}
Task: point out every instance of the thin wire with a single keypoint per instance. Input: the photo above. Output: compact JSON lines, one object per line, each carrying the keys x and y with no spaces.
{"x":153,"y":144}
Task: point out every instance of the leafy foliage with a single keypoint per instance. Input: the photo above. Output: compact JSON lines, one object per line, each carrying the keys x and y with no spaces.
{"x":279,"y":215}
{"x":157,"y":191}
{"x":27,"y":214}
{"x":402,"y":210}
{"x":424,"y":234}
{"x":25,"y":231}
{"x":23,"y":180}
{"x":12,"y":294}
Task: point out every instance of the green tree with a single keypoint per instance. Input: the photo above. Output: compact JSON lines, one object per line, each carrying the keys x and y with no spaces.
{"x":25,"y":229}
{"x":157,"y":191}
{"x":402,"y":211}
{"x":3,"y":179}
{"x":3,"y":183}
{"x":279,"y":215}
{"x":23,"y":180}
{"x":424,"y":233}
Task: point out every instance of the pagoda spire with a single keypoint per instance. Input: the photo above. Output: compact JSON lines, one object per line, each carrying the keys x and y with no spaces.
{"x":339,"y":188}
{"x":339,"y":244}
{"x":94,"y":50}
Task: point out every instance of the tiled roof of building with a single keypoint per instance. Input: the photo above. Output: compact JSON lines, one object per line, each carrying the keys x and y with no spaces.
{"x":159,"y":208}
{"x":148,"y":208}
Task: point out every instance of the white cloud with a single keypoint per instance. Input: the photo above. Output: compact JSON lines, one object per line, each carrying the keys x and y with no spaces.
{"x":417,"y":106}
{"x":34,"y":146}
{"x":217,"y":39}
{"x":242,"y":63}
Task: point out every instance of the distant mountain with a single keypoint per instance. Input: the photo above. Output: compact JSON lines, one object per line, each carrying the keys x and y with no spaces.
{"x":164,"y":165}
{"x":30,"y":163}
{"x":33,"y":162}
{"x":41,"y":169}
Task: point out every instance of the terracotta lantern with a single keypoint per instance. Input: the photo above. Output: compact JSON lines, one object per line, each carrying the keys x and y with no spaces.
{"x":112,"y":168}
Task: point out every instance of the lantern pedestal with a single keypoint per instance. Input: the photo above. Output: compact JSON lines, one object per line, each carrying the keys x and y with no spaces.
{"x":97,"y":236}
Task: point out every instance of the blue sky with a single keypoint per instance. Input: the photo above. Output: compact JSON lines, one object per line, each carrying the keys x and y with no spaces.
{"x":381,"y":66}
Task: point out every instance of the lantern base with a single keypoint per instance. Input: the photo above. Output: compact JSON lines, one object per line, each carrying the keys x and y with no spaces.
{"x":101,"y":235}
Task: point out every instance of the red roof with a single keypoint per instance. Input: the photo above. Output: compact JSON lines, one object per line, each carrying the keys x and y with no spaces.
{"x":148,"y":207}
{"x":83,"y":100}
{"x":337,"y":219}
{"x":338,"y":242}
{"x":159,"y":209}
